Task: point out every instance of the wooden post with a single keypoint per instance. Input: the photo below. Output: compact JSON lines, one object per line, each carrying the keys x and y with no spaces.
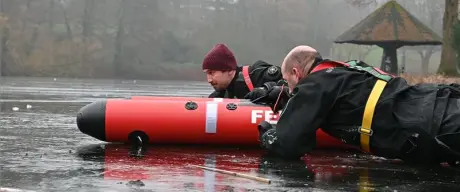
{"x":255,"y":178}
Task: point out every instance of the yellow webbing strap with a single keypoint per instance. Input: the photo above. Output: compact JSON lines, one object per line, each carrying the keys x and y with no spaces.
{"x":364,"y":183}
{"x":365,"y":129}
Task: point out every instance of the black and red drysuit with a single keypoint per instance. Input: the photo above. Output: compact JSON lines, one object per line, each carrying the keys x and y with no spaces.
{"x":416,"y":123}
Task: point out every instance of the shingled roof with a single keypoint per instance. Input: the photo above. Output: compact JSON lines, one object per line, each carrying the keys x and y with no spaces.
{"x":390,"y":24}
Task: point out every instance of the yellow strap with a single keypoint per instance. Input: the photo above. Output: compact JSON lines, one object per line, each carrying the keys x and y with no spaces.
{"x":364,"y":183}
{"x":365,"y":129}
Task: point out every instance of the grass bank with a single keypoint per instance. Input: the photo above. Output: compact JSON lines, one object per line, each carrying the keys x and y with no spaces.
{"x":435,"y":78}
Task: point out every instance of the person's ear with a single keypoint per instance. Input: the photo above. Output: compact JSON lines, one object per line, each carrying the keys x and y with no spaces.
{"x":296,"y":72}
{"x":232,"y":72}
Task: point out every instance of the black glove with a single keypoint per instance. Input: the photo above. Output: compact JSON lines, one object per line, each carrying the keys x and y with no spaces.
{"x":259,"y":94}
{"x":276,"y":97}
{"x":266,"y":134}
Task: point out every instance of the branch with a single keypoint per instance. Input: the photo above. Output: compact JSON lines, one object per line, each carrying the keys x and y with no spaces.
{"x":362,"y":3}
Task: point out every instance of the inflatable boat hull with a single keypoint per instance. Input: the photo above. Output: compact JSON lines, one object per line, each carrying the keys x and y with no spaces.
{"x":181,"y":120}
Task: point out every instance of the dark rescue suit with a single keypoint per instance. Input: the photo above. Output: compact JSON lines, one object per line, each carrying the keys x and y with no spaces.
{"x":369,"y":109}
{"x":248,"y":77}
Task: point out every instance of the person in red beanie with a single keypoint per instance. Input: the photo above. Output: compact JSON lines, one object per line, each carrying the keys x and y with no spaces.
{"x":232,"y":81}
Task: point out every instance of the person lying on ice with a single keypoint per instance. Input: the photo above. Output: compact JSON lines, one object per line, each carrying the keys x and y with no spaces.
{"x":232,"y":81}
{"x":381,"y":114}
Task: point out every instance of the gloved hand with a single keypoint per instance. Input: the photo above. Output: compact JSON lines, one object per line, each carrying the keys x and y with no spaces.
{"x":257,"y":94}
{"x":260,"y":93}
{"x":270,"y":94}
{"x":278,"y":95}
{"x":266,"y":134}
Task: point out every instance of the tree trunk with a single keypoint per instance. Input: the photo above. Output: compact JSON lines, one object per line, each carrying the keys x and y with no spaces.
{"x":425,"y":63}
{"x":69,"y":33}
{"x":425,"y":58}
{"x":3,"y":40}
{"x":86,"y":33}
{"x":117,"y":59}
{"x":448,"y":56}
{"x":87,"y":17}
{"x":403,"y":61}
{"x":50,"y":15}
{"x":1,"y":50}
{"x":317,"y":22}
{"x":67,"y":24}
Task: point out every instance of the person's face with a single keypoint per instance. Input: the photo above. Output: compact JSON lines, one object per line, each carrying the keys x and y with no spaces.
{"x":291,"y":76}
{"x":219,"y":80}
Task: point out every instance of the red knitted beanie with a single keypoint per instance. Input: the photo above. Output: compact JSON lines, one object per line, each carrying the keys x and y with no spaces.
{"x":219,"y":58}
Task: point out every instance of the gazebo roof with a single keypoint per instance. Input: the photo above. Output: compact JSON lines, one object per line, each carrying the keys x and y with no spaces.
{"x":390,"y":24}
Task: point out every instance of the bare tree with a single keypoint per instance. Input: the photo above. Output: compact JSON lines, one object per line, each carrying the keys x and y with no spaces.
{"x":448,"y":56}
{"x":117,"y":59}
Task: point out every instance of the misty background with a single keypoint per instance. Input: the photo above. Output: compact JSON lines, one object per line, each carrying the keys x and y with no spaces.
{"x":168,"y":39}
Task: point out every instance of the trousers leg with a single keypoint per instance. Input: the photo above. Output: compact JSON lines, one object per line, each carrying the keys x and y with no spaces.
{"x":448,"y":136}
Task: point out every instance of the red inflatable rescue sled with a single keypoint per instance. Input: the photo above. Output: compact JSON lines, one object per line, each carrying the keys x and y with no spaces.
{"x":181,"y":120}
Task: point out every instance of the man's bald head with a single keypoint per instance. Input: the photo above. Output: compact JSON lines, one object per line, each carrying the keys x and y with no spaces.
{"x":301,"y":57}
{"x":297,"y":63}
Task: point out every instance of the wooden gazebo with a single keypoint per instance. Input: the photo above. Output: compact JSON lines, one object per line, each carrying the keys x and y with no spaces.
{"x":390,"y":27}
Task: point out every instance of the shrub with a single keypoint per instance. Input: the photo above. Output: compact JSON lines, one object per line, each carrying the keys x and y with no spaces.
{"x":413,"y":79}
